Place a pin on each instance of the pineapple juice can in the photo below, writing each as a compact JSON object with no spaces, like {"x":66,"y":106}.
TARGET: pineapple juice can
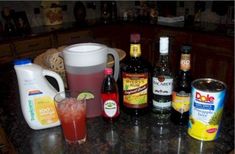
{"x":206,"y":108}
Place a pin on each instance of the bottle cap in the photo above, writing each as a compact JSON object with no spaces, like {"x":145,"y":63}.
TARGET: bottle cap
{"x":108,"y":71}
{"x":135,"y":37}
{"x":186,"y":48}
{"x":164,"y":43}
{"x":22,"y":61}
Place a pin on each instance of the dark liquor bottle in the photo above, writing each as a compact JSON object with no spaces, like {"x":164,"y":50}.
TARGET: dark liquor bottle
{"x":162,"y":84}
{"x":105,"y":12}
{"x":114,"y":11}
{"x":182,"y":89}
{"x":110,"y":97}
{"x":135,"y":80}
{"x":9,"y":27}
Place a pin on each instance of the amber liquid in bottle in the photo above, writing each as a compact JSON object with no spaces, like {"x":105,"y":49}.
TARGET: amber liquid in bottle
{"x":182,"y":89}
{"x":135,"y":80}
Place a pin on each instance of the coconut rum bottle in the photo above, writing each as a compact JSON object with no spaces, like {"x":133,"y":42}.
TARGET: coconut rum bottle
{"x":135,"y":80}
{"x":162,"y":84}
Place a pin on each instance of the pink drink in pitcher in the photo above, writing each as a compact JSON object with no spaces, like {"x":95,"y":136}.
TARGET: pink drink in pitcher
{"x":88,"y":83}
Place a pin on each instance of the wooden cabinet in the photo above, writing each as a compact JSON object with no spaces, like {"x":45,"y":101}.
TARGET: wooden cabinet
{"x":118,"y":36}
{"x":6,"y":53}
{"x":213,"y":57}
{"x":110,"y":35}
{"x":68,"y":38}
{"x":33,"y":46}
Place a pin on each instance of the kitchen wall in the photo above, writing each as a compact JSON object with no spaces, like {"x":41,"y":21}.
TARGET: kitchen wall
{"x":37,"y":19}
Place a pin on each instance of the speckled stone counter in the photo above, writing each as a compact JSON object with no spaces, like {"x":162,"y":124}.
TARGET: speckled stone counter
{"x":127,"y":135}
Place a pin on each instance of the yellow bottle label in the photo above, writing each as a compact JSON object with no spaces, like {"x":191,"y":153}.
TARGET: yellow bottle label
{"x":135,"y":50}
{"x":180,"y":103}
{"x":45,"y":110}
{"x":135,"y":90}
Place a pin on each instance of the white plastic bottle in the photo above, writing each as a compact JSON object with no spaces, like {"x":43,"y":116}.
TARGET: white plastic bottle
{"x":37,"y":94}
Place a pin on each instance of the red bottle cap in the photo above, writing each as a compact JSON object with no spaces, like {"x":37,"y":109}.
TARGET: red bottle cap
{"x":108,"y":71}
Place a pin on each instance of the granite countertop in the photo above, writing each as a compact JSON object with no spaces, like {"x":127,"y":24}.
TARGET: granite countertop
{"x":127,"y":135}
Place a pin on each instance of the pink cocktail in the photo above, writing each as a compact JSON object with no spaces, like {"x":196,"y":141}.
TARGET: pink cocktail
{"x":72,"y":115}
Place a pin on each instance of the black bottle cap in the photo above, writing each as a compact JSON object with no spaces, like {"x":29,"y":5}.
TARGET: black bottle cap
{"x":186,"y":48}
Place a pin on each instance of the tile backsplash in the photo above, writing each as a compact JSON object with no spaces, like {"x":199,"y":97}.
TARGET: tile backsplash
{"x":37,"y":19}
{"x":91,"y":13}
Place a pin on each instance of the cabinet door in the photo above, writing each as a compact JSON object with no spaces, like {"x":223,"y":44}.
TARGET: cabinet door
{"x":74,"y":37}
{"x":6,"y":53}
{"x":33,"y":46}
{"x":213,"y":57}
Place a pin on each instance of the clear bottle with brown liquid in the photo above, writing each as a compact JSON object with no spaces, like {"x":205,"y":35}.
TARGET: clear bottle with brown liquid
{"x":182,"y":89}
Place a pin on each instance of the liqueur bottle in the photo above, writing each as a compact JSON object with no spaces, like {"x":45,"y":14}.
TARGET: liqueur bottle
{"x":135,"y":80}
{"x":9,"y":27}
{"x":182,"y":89}
{"x":113,"y":11}
{"x":105,"y":12}
{"x":162,"y":84}
{"x":110,"y":97}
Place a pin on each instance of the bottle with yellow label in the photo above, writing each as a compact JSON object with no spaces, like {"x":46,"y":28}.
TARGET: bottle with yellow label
{"x":182,"y":89}
{"x":37,"y":94}
{"x":135,"y":80}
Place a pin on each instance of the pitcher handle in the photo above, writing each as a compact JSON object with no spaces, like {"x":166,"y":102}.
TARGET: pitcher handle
{"x":116,"y":62}
{"x":56,"y":77}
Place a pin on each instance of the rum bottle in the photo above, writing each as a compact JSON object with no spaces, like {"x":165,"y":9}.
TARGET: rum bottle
{"x":110,"y":97}
{"x":135,"y":80}
{"x":162,"y":85}
{"x":182,"y":89}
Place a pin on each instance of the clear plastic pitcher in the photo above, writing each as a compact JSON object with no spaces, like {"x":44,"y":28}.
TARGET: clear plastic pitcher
{"x":84,"y":66}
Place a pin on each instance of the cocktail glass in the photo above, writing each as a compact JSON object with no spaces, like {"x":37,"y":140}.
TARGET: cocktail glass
{"x":72,"y":115}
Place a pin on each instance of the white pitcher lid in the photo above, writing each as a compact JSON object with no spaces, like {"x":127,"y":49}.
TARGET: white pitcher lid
{"x":85,"y":54}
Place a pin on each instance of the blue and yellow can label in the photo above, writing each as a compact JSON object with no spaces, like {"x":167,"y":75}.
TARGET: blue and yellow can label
{"x":206,"y":110}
